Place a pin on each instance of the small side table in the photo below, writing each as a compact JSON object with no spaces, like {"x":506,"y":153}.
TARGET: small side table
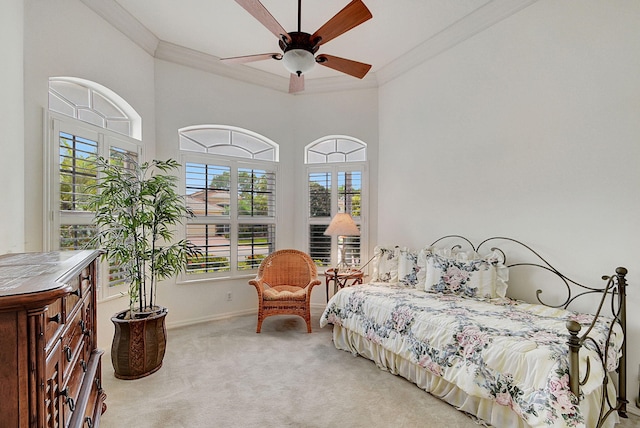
{"x":341,"y":279}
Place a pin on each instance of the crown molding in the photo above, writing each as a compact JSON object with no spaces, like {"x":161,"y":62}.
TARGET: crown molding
{"x":338,"y":83}
{"x":461,"y":30}
{"x":205,"y":62}
{"x":119,"y":18}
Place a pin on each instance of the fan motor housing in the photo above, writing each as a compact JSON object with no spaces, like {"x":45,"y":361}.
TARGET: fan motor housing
{"x":300,"y":40}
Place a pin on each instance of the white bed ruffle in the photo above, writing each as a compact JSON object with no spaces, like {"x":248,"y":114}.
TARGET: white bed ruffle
{"x":485,"y":409}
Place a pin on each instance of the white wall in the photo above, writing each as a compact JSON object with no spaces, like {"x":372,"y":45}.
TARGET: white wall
{"x":528,"y":130}
{"x":12,"y":117}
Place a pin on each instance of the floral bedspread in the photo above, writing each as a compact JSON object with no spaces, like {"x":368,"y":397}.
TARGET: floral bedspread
{"x":508,"y":351}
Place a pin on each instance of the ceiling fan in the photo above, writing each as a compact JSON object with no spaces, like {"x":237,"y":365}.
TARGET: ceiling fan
{"x":299,"y":48}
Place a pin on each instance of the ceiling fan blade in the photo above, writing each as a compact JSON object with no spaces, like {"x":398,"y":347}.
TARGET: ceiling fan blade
{"x":259,"y":12}
{"x":352,"y":15}
{"x":296,"y":83}
{"x":347,"y":66}
{"x":251,"y":58}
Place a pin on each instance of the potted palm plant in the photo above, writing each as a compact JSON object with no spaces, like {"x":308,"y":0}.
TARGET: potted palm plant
{"x":136,"y":209}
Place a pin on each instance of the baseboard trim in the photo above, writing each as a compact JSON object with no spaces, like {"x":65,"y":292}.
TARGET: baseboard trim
{"x":216,"y":317}
{"x":226,"y":315}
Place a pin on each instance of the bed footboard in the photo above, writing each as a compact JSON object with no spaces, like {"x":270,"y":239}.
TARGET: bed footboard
{"x":616,"y":286}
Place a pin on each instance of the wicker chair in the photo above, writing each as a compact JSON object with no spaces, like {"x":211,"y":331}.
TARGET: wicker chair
{"x":284,"y":283}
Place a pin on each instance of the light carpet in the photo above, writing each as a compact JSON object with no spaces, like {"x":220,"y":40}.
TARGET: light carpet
{"x":223,"y":374}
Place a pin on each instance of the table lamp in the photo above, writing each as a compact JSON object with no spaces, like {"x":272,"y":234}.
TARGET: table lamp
{"x":342,"y":225}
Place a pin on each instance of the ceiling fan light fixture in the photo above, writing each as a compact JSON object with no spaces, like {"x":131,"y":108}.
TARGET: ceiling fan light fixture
{"x":298,"y":61}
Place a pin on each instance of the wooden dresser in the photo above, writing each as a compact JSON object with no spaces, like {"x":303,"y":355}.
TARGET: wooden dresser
{"x":49,"y":365}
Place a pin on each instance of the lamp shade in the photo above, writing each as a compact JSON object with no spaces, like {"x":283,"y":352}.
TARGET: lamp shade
{"x":298,"y":61}
{"x":342,"y":225}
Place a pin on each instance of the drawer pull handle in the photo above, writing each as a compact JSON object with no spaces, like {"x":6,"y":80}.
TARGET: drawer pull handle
{"x":76,"y":292}
{"x":83,"y":327}
{"x":67,"y":352}
{"x":57,"y":318}
{"x":89,"y":422}
{"x":83,"y":363}
{"x":68,"y":400}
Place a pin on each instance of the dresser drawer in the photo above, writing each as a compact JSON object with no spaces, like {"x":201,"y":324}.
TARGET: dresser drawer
{"x":86,"y":279}
{"x":89,"y":324}
{"x":73,"y":298}
{"x":94,"y":406}
{"x":90,"y":402}
{"x":53,"y":322}
{"x":72,"y":339}
{"x":72,"y":384}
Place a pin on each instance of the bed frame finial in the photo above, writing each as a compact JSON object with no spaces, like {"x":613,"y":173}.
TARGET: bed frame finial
{"x":574,"y":343}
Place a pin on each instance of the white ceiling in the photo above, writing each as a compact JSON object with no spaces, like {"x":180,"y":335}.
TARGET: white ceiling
{"x":222,"y":28}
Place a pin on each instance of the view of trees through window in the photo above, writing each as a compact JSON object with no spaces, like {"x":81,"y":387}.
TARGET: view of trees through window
{"x":221,"y":224}
{"x":336,"y":164}
{"x":347,"y":198}
{"x":77,"y":172}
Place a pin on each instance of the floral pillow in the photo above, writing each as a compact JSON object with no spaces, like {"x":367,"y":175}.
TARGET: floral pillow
{"x":409,"y":269}
{"x":385,"y":265}
{"x":480,"y":278}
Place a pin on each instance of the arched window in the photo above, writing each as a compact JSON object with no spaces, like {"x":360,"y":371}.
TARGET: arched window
{"x":228,"y":141}
{"x":230,"y":185}
{"x":86,"y":120}
{"x":336,"y":173}
{"x":93,"y":103}
{"x":336,"y":149}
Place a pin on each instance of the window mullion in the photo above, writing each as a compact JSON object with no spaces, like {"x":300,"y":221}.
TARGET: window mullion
{"x":234,"y":217}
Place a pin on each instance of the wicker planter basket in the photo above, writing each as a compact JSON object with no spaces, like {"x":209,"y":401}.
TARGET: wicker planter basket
{"x":138,"y":344}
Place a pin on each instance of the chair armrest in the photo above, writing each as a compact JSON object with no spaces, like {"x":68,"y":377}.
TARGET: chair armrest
{"x":310,"y":286}
{"x":258,"y":283}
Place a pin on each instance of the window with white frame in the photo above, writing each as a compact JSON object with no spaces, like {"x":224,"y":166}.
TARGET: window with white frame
{"x":336,"y":173}
{"x":230,"y":185}
{"x":76,"y":138}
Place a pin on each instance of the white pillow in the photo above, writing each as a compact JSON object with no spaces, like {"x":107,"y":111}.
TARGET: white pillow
{"x":385,"y":265}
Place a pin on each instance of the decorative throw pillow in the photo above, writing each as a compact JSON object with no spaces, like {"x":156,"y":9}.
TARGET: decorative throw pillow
{"x":409,"y":269}
{"x":423,"y":256}
{"x":385,"y":265}
{"x":466,"y":277}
